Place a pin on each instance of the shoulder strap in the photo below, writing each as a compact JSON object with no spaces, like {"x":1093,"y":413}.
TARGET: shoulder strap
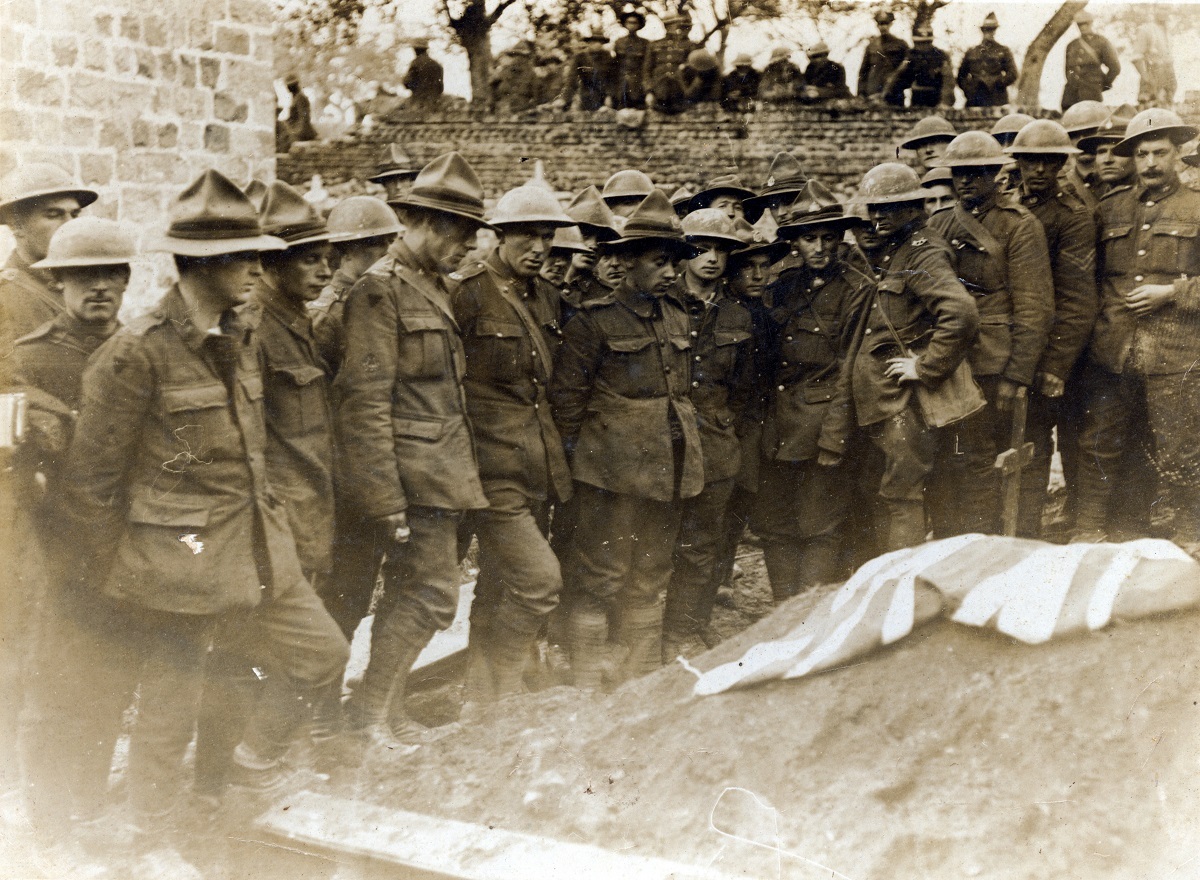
{"x":978,"y":231}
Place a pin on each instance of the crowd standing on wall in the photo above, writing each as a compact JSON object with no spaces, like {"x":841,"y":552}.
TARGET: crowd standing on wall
{"x":322,"y":413}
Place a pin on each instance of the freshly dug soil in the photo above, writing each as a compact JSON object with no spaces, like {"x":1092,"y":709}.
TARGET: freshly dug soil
{"x":955,"y":753}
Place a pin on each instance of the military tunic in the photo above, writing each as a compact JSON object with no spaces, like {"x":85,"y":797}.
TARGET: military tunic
{"x":926,"y":71}
{"x":590,"y":75}
{"x":986,"y":72}
{"x":328,"y":313}
{"x":633,"y":62}
{"x":884,"y":55}
{"x":26,"y":303}
{"x":1092,"y":66}
{"x":825,"y":80}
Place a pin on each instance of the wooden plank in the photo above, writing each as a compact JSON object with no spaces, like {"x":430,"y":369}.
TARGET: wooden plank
{"x":435,"y":847}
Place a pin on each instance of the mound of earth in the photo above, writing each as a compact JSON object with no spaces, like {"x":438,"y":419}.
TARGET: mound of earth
{"x":957,"y":753}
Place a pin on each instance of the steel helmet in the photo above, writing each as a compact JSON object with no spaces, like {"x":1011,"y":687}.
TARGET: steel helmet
{"x":39,"y":180}
{"x":931,"y":128}
{"x":628,"y":184}
{"x":529,"y":203}
{"x":711,"y":224}
{"x":1042,"y":137}
{"x":569,"y":238}
{"x":702,"y":59}
{"x":359,"y":217}
{"x":937,"y":177}
{"x":1006,"y":127}
{"x":1111,"y":131}
{"x":1158,"y":123}
{"x":890,"y":183}
{"x":1085,"y":116}
{"x":972,"y":149}
{"x":89,"y":241}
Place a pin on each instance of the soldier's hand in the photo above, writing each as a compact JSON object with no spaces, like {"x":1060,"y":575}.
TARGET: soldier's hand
{"x":1050,"y":385}
{"x":396,"y":527}
{"x":1147,"y":298}
{"x":1006,"y":392}
{"x":902,"y":369}
{"x":825,"y":458}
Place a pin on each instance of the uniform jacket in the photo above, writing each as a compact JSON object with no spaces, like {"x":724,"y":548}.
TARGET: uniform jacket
{"x":1071,"y":239}
{"x":509,"y":330}
{"x":296,"y":394}
{"x":927,"y":71}
{"x":1074,"y":184}
{"x":633,"y":63}
{"x":885,"y":53}
{"x":328,"y":314}
{"x":780,"y":82}
{"x":934,"y":316}
{"x":1149,"y":238}
{"x":1092,"y":65}
{"x":590,"y":75}
{"x":722,"y":378}
{"x":165,"y":498}
{"x":26,"y":303}
{"x":620,"y":394}
{"x":828,"y":78}
{"x":402,"y":415}
{"x":1013,"y":288}
{"x":986,"y":72}
{"x":739,"y":88}
{"x":812,"y":329}
{"x":424,"y":79}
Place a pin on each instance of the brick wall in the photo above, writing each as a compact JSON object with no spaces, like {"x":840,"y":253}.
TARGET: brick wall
{"x":837,"y":145}
{"x":137,"y":97}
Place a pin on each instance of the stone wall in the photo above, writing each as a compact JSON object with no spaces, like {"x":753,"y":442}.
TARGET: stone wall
{"x":835,"y":144}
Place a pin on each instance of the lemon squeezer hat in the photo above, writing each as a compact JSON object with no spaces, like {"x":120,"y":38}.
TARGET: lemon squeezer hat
{"x":211,"y":218}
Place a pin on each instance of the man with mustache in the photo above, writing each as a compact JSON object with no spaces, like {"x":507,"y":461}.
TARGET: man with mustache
{"x":1001,"y":257}
{"x":1041,"y":149}
{"x":1147,"y":337}
{"x":620,"y":397}
{"x":402,"y":420}
{"x":509,"y":324}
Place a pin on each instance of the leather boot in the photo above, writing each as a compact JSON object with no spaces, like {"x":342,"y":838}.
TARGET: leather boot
{"x":904,"y":523}
{"x":818,"y":561}
{"x":641,"y":633}
{"x":379,"y":700}
{"x":587,"y":637}
{"x":1091,"y":508}
{"x":231,"y":689}
{"x":510,"y":652}
{"x":783,"y":569}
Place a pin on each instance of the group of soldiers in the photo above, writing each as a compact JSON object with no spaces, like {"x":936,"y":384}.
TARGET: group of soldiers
{"x":322,"y":414}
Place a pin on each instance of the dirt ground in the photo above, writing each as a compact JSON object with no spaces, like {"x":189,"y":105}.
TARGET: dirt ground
{"x":957,"y":753}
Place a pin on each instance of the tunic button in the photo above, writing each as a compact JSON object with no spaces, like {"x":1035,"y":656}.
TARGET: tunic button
{"x":781,"y":388}
{"x":878,"y":277}
{"x":868,"y":333}
{"x":535,"y":406}
{"x":790,"y":339}
{"x":695,"y":384}
{"x":783,"y":363}
{"x":1142,"y":252}
{"x":666,"y":369}
{"x":888,"y":258}
{"x":1137,"y":277}
{"x":1145,"y":226}
{"x":499,"y":335}
{"x":697,"y":358}
{"x":1149,"y":204}
{"x":694,"y":333}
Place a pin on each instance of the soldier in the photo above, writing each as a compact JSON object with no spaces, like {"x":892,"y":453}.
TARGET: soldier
{"x":987,"y":70}
{"x":620,"y":399}
{"x":784,"y":181}
{"x":721,"y":390}
{"x":739,"y":88}
{"x":939,"y":183}
{"x":67,"y":732}
{"x":884,"y":54}
{"x":1147,"y":337}
{"x":801,"y":504}
{"x":1041,"y":149}
{"x":824,"y":79}
{"x":508,"y":326}
{"x":625,"y":190}
{"x":396,"y":171}
{"x":632,"y":54}
{"x":1006,"y":127}
{"x":406,"y":444}
{"x":361,"y":229}
{"x":596,"y":224}
{"x":725,"y":193}
{"x":928,"y":139}
{"x":701,"y":78}
{"x":35,"y":200}
{"x":680,"y":200}
{"x":179,"y":391}
{"x":589,"y":74}
{"x":514,"y":84}
{"x":926,"y":71}
{"x":424,"y":76}
{"x":1079,"y":175}
{"x":1001,"y":256}
{"x":1111,"y":170}
{"x":1154,"y":60}
{"x":1091,"y":64}
{"x":667,"y":57}
{"x":781,"y":79}
{"x":568,"y":243}
{"x":299,"y":117}
{"x":920,"y":301}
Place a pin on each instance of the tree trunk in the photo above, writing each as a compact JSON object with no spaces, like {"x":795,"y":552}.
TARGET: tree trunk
{"x":1029,"y":83}
{"x":479,"y":63}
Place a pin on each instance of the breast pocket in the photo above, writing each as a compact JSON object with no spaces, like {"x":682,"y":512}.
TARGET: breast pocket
{"x":1173,"y":247}
{"x":198,"y":425}
{"x":805,"y":343}
{"x":501,"y":347}
{"x":1116,"y":244}
{"x":298,"y":402}
{"x":974,"y":266}
{"x":423,"y":350}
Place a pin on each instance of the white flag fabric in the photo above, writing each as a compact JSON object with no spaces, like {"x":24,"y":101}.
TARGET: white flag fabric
{"x":1030,"y":590}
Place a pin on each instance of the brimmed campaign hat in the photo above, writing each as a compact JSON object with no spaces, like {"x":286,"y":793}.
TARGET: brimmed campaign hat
{"x":1111,"y":131}
{"x":256,"y":192}
{"x":722,"y":184}
{"x":211,"y":218}
{"x":1083,"y":117}
{"x":593,"y":216}
{"x":785,"y":178}
{"x":89,"y":241}
{"x":1006,"y":127}
{"x":654,"y":221}
{"x":40,"y":180}
{"x":754,"y":240}
{"x":815,"y":206}
{"x":680,"y":200}
{"x":627,"y":184}
{"x":568,"y":238}
{"x":395,"y":164}
{"x":286,"y":215}
{"x":450,"y":185}
{"x":1154,"y":123}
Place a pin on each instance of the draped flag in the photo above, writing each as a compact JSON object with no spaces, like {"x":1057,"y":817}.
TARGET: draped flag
{"x":1029,"y":590}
